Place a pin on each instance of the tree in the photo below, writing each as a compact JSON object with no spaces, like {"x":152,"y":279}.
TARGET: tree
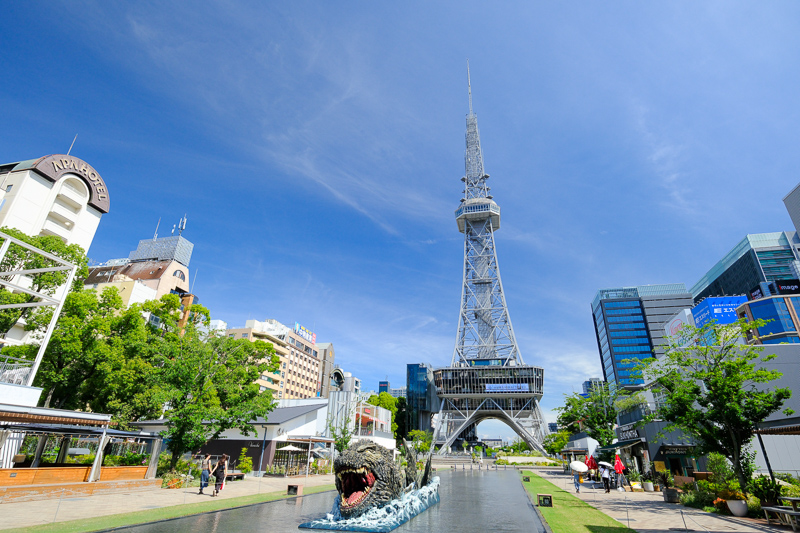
{"x":555,"y":442}
{"x":421,"y":440}
{"x":388,"y":402}
{"x":19,"y":258}
{"x":594,"y":413}
{"x":341,"y":435}
{"x":208,"y":384}
{"x":710,"y":386}
{"x":400,"y":420}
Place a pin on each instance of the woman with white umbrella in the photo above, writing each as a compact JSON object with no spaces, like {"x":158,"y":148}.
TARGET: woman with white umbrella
{"x":577,"y":469}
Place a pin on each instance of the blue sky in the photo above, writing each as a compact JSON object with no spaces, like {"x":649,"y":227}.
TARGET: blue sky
{"x":317,"y":149}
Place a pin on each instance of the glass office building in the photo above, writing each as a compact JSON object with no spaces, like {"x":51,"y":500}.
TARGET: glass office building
{"x":421,"y":399}
{"x":629,"y":326}
{"x":758,"y":258}
{"x":781,"y":314}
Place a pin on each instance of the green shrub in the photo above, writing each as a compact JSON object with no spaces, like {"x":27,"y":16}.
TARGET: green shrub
{"x":245,"y":463}
{"x":766,"y":490}
{"x":698,"y":499}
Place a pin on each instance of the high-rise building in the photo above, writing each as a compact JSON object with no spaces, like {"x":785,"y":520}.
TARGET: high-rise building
{"x":298,"y":375}
{"x":758,"y":258}
{"x":421,"y":398}
{"x":590,"y":384}
{"x":327,"y":362}
{"x":487,"y":377}
{"x":383,"y":386}
{"x":629,"y":324}
{"x":57,"y":195}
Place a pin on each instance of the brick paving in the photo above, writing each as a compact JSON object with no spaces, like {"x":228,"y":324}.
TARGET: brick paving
{"x":649,"y":513}
{"x":26,"y":514}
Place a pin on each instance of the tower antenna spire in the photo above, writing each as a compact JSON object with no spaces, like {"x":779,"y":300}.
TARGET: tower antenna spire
{"x":469,"y":88}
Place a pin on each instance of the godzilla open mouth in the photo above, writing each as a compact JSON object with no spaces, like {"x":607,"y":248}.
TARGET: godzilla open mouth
{"x":354,"y":485}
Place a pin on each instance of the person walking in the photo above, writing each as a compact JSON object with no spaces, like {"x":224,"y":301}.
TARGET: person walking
{"x":604,"y":474}
{"x":219,"y":472}
{"x":576,"y":477}
{"x":205,"y":468}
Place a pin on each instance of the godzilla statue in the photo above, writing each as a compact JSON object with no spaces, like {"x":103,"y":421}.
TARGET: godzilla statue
{"x":366,"y":477}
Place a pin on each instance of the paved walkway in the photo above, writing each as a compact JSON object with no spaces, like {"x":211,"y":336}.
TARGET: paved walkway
{"x":649,"y":513}
{"x":26,"y":514}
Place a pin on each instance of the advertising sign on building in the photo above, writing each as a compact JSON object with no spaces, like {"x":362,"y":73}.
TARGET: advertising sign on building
{"x":306,"y":334}
{"x":720,"y":308}
{"x":787,"y":286}
{"x":507,"y":387}
{"x":674,"y":325}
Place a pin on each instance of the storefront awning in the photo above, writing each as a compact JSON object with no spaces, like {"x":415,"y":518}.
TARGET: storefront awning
{"x":780,"y":430}
{"x":574,"y":451}
{"x":75,"y":431}
{"x":676,"y":449}
{"x":619,"y":445}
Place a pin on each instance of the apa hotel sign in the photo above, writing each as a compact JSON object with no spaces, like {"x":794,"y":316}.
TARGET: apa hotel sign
{"x":55,"y":167}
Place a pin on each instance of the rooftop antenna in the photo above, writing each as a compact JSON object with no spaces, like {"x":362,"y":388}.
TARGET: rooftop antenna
{"x":155,"y":235}
{"x":469,"y":88}
{"x":173,"y":230}
{"x":73,"y":144}
{"x":191,"y":289}
{"x":182,"y":224}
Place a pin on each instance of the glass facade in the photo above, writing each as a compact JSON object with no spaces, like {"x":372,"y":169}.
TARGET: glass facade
{"x":418,"y":396}
{"x":757,"y":258}
{"x":781,"y":314}
{"x":628,"y":324}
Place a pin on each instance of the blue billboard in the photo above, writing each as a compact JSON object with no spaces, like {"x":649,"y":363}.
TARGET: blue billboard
{"x":719,"y":308}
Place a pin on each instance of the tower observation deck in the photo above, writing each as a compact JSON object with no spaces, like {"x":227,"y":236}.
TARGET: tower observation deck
{"x":487,"y":377}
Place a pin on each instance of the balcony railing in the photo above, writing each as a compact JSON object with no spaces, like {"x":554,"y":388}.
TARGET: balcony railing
{"x":14,"y":371}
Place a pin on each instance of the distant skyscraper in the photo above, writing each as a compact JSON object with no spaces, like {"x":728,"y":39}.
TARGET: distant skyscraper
{"x":758,"y":258}
{"x":383,"y":386}
{"x":590,"y":384}
{"x":629,"y":324}
{"x":552,"y":427}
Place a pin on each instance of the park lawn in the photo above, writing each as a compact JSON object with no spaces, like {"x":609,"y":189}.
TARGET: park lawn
{"x":164,"y":513}
{"x":568,"y":513}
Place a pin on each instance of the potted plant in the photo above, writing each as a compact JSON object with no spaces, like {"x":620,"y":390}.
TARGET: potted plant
{"x":647,"y":482}
{"x":736,"y":501}
{"x":666,"y":481}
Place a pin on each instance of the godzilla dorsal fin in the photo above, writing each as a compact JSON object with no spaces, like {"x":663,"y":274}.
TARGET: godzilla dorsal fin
{"x":427,"y":474}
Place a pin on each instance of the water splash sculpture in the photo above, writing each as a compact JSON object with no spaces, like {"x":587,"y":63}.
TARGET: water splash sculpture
{"x":371,"y":497}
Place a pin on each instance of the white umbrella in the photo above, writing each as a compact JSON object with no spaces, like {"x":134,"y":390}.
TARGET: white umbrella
{"x":607,"y":465}
{"x":290,"y":448}
{"x":579,"y":466}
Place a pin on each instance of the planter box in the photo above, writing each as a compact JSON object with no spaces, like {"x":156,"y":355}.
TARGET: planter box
{"x":648,"y":486}
{"x":671,"y":496}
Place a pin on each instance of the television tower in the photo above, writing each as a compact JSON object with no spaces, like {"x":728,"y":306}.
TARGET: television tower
{"x":487,"y":377}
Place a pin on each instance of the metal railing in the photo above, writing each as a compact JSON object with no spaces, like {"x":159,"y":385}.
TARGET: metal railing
{"x":14,"y":371}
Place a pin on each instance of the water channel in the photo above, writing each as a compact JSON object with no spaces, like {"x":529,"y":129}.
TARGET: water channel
{"x":471,"y":501}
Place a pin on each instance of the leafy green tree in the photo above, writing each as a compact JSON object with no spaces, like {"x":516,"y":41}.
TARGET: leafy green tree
{"x":19,"y":258}
{"x":595,"y":414}
{"x":400,"y":419}
{"x":208,"y":384}
{"x":388,"y":402}
{"x":715,"y":389}
{"x":341,"y":435}
{"x":555,"y":442}
{"x":421,"y":440}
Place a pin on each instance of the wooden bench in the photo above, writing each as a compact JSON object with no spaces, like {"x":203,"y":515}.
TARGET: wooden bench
{"x":786,"y":515}
{"x":234,"y":475}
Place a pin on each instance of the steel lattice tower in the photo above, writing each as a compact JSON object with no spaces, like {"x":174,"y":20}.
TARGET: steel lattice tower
{"x":487,"y":377}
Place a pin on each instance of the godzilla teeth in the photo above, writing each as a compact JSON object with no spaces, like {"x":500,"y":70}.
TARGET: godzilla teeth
{"x":360,"y":470}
